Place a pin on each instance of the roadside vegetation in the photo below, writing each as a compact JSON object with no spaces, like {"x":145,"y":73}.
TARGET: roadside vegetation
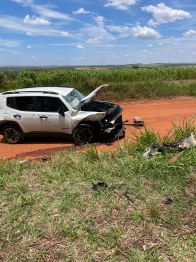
{"x":101,"y":206}
{"x":85,"y":205}
{"x":125,"y":83}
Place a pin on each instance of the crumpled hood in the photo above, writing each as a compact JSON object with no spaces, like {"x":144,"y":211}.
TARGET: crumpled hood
{"x":92,"y":94}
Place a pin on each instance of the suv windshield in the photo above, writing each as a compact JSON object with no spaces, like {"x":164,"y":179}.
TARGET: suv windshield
{"x":73,"y":98}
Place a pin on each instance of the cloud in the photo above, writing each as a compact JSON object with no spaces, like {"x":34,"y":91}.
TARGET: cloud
{"x":16,"y":25}
{"x":164,"y":14}
{"x":99,"y":20}
{"x":24,"y":2}
{"x":96,"y":40}
{"x":97,"y":34}
{"x":31,"y":33}
{"x":80,"y":11}
{"x":190,"y":34}
{"x":29,"y":46}
{"x":121,"y":4}
{"x":9,"y":43}
{"x":80,"y":46}
{"x":144,"y":33}
{"x":47,"y":12}
{"x":118,"y":29}
{"x":123,"y":31}
{"x":44,"y":10}
{"x":35,"y":20}
{"x":65,"y":34}
{"x":16,"y":53}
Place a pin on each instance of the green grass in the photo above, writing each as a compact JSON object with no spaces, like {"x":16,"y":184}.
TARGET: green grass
{"x":50,"y":212}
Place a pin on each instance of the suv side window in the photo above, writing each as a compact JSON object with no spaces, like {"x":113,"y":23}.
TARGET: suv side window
{"x":22,"y":103}
{"x":49,"y":104}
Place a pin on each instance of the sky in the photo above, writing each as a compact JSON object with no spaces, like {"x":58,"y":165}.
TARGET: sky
{"x":96,"y":32}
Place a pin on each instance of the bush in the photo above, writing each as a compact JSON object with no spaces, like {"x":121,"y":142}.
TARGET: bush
{"x":27,"y":78}
{"x":2,"y":79}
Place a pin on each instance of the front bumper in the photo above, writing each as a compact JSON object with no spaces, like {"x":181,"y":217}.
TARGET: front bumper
{"x":115,"y":132}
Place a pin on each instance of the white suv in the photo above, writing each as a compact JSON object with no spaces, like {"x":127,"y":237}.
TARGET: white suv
{"x":58,"y":111}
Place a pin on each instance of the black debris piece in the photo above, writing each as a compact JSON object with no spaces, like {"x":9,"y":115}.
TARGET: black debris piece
{"x":168,"y":201}
{"x":47,"y":158}
{"x":99,"y":185}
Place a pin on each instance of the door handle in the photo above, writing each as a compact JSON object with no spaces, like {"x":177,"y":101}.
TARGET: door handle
{"x":43,"y":117}
{"x":17,"y":116}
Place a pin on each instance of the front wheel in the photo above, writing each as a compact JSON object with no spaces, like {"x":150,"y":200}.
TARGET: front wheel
{"x":84,"y":135}
{"x":11,"y":134}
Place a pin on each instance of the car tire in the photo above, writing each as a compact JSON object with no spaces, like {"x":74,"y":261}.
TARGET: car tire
{"x":11,"y":134}
{"x":84,"y":135}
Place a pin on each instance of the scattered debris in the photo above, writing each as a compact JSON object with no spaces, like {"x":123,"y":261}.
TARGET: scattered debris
{"x":117,"y":193}
{"x":152,"y":150}
{"x":174,"y":158}
{"x":138,"y":121}
{"x":125,"y":194}
{"x":180,"y":145}
{"x":99,"y":185}
{"x":22,"y":161}
{"x":47,"y":158}
{"x":168,"y":201}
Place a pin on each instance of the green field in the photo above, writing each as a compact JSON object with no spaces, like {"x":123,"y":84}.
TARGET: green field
{"x":130,"y":81}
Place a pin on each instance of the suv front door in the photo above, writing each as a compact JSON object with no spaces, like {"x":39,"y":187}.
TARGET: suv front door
{"x":51,"y":121}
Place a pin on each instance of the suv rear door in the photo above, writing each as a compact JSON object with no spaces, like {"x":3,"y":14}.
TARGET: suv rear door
{"x":21,"y":109}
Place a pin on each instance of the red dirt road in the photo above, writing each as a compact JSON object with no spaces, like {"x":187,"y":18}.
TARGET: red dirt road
{"x":157,"y":115}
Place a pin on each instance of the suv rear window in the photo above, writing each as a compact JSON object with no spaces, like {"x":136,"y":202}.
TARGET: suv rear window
{"x":23,"y":103}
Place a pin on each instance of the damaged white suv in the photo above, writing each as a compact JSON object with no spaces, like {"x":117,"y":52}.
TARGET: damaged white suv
{"x":58,"y":111}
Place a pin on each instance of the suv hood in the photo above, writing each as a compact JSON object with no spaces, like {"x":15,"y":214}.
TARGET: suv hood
{"x":92,"y":94}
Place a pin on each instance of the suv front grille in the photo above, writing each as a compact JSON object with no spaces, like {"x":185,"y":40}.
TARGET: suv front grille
{"x":113,"y":113}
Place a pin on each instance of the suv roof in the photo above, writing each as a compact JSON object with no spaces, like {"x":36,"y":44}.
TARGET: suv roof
{"x":50,"y":90}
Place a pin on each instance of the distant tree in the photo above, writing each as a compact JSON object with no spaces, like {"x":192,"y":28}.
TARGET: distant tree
{"x":2,"y":78}
{"x":135,"y":66}
{"x":27,"y":78}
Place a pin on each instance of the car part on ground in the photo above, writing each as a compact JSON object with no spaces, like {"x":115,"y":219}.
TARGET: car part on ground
{"x":138,"y":121}
{"x":180,"y":145}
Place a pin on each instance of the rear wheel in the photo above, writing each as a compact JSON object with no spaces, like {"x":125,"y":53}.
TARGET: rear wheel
{"x":11,"y":134}
{"x":84,"y":135}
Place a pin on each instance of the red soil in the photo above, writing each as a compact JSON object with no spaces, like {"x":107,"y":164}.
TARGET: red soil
{"x":157,"y":115}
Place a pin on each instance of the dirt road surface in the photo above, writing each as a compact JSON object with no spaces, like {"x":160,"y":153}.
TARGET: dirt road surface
{"x":157,"y":115}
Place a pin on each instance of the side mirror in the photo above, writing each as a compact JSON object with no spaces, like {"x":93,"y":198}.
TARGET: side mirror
{"x":62,"y":110}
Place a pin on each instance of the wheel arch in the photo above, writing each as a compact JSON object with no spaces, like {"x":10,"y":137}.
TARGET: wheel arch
{"x":92,"y":125}
{"x":13,"y":123}
{"x":86,"y":124}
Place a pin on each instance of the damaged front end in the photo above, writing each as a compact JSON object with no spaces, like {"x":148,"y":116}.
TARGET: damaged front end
{"x":111,"y":126}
